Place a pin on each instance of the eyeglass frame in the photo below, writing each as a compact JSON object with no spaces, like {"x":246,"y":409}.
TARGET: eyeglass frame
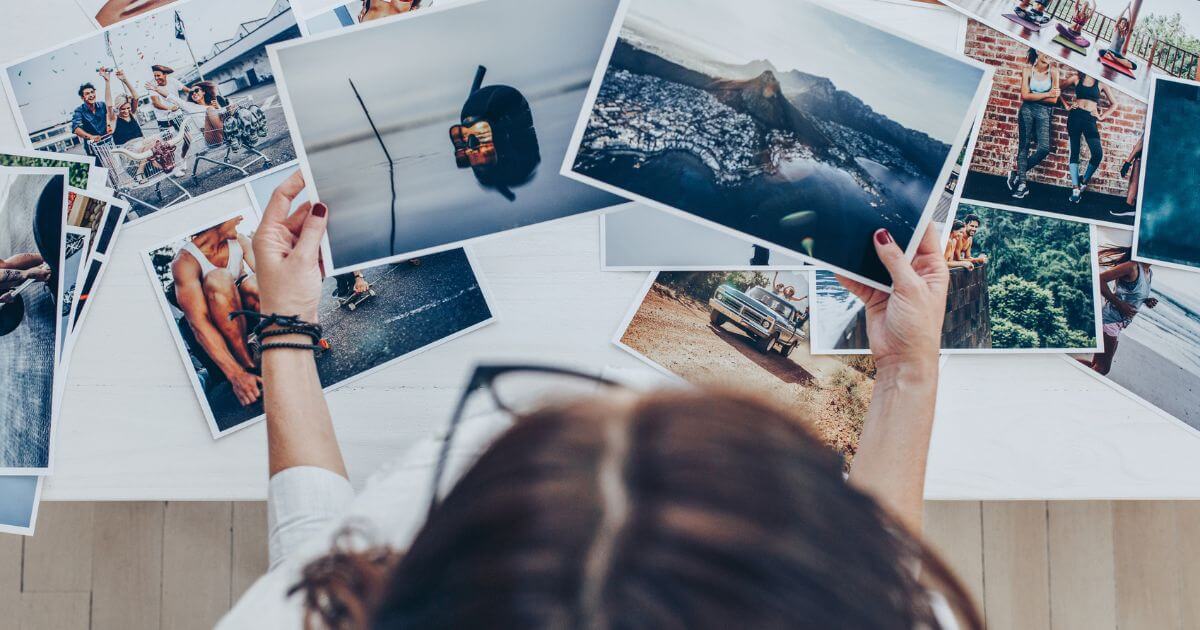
{"x":483,"y":377}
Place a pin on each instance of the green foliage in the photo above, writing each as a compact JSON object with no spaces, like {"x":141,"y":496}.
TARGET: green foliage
{"x":1039,"y":279}
{"x":700,"y":285}
{"x":1172,"y":30}
{"x":77,"y":175}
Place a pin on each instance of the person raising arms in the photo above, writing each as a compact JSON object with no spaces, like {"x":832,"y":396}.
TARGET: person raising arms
{"x":615,"y":509}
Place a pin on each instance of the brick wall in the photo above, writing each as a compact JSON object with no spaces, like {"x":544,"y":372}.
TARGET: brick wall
{"x":996,"y":149}
{"x":967,"y":324}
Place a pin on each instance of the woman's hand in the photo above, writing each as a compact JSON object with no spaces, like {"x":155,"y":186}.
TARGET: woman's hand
{"x":905,"y":326}
{"x":287,"y":250}
{"x":1127,"y":310}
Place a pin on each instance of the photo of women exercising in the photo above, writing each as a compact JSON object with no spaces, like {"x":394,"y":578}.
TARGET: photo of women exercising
{"x":213,"y":275}
{"x":1125,"y":285}
{"x":1040,"y":91}
{"x":1083,"y":120}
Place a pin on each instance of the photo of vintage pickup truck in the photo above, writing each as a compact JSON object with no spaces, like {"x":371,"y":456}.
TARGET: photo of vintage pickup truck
{"x":769,"y":318}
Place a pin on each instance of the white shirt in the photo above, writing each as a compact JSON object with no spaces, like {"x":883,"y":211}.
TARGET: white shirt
{"x":172,"y":88}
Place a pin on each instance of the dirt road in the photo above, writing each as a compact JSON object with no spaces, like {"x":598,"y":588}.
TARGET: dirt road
{"x":676,"y":334}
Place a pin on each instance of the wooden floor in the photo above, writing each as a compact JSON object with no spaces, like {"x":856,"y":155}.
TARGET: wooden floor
{"x":1087,"y":566}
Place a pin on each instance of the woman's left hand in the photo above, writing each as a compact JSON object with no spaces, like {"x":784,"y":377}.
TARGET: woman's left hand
{"x":287,"y":250}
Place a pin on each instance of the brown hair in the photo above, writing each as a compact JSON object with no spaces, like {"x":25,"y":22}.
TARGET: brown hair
{"x":674,"y":510}
{"x":1114,"y":255}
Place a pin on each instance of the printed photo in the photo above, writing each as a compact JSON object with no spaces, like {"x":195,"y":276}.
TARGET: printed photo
{"x":1019,"y":283}
{"x":789,"y":122}
{"x":637,"y":237}
{"x":113,"y":212}
{"x":32,"y":212}
{"x":342,"y":14}
{"x":1053,"y":140}
{"x":749,"y":330}
{"x":19,"y":499}
{"x":74,"y":267}
{"x":1168,"y":221}
{"x":473,"y":152}
{"x":108,"y":12}
{"x":1151,"y":331}
{"x":1124,"y":43}
{"x":176,"y":104}
{"x":371,"y":318}
{"x":78,"y":167}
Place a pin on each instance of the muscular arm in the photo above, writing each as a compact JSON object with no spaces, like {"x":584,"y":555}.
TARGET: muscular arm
{"x":190,"y":295}
{"x":1123,"y":271}
{"x":247,"y":251}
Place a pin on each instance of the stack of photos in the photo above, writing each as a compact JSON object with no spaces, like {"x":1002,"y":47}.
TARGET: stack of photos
{"x":1053,"y":139}
{"x":749,"y":329}
{"x":105,"y":217}
{"x":785,"y":121}
{"x":108,"y":12}
{"x":1124,"y":43}
{"x":1019,"y":282}
{"x":176,"y":104}
{"x":75,"y":246}
{"x":32,"y":254}
{"x":1168,"y":222}
{"x":371,"y":318}
{"x":1151,"y":317}
{"x":472,"y":152}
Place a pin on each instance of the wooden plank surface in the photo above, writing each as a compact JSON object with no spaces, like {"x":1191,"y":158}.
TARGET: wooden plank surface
{"x":249,"y":546}
{"x":56,"y":611}
{"x":127,"y":561}
{"x":59,"y":557}
{"x":1147,"y":565}
{"x":955,"y":529}
{"x":1082,"y":585}
{"x":1016,"y":570}
{"x":196,"y":561}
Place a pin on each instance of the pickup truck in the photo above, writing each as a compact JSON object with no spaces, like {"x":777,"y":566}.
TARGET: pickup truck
{"x":770,"y":319}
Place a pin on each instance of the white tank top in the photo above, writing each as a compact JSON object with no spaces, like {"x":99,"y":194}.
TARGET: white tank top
{"x":234,"y":266}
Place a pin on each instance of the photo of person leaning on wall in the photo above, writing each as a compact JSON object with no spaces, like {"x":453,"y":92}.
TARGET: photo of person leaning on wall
{"x":1053,"y":139}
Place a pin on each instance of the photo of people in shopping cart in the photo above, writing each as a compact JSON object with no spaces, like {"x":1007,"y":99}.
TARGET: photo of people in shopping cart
{"x":177,"y":104}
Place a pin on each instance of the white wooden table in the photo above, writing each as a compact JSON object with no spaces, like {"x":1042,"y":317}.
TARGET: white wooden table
{"x":1008,"y":427}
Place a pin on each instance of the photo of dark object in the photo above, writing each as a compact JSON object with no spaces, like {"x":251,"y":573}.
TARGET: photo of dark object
{"x":497,"y":138}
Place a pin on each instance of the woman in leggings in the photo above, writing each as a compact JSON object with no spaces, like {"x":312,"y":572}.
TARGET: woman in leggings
{"x":1083,"y":124}
{"x":1039,"y":92}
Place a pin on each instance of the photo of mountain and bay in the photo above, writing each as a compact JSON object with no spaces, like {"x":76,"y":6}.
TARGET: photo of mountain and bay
{"x":785,"y":121}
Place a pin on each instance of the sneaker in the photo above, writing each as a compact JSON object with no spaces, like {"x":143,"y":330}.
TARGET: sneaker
{"x":1076,"y":195}
{"x":1126,"y":213}
{"x":1021,"y":192}
{"x":1012,"y":180}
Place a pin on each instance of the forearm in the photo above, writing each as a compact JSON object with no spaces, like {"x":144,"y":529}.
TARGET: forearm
{"x":894,"y":447}
{"x":214,"y":345}
{"x":299,"y":428}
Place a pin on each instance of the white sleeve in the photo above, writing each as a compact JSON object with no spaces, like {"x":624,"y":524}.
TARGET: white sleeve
{"x":303,"y":502}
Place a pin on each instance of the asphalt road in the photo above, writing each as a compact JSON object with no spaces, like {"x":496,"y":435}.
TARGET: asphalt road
{"x":415,"y":306}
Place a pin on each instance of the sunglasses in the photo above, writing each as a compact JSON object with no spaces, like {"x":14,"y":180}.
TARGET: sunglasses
{"x":516,"y":390}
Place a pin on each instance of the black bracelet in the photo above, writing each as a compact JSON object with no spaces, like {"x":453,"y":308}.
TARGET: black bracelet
{"x":291,"y":330}
{"x":285,"y":325}
{"x":317,"y":348}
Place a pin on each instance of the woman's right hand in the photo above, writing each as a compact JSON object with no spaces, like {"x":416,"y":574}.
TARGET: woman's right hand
{"x":287,"y":250}
{"x":905,"y":326}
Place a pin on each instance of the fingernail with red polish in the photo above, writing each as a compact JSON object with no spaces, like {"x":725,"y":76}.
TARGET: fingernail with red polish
{"x":320,"y":210}
{"x":883,"y":237}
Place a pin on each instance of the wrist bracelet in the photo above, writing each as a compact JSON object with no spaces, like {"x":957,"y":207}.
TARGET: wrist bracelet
{"x":285,"y":325}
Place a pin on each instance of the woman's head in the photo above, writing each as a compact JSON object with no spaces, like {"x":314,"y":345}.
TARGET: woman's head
{"x":957,"y":227}
{"x":196,"y":94}
{"x":124,"y":107}
{"x":1123,"y":24}
{"x":1114,"y":255}
{"x":673,"y":510}
{"x":204,"y":92}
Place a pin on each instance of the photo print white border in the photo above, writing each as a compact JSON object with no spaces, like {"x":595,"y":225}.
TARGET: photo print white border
{"x":1137,"y":217}
{"x":80,"y":273}
{"x":24,"y":131}
{"x":910,"y":250}
{"x":91,"y":14}
{"x":1120,"y":389}
{"x":58,"y":382}
{"x":96,"y":257}
{"x":251,"y":212}
{"x":302,"y":153}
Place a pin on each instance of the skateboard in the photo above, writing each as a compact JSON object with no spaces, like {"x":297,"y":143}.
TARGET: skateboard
{"x":352,"y":301}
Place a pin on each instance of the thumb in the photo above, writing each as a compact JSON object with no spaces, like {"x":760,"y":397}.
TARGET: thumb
{"x":313,"y":230}
{"x":892,"y":257}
